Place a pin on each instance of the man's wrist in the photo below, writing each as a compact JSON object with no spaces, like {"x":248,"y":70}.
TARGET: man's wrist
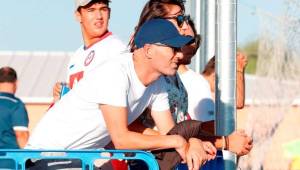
{"x":191,"y":140}
{"x":180,"y":141}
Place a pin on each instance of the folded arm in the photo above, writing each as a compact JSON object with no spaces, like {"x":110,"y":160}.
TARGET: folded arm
{"x":124,"y":138}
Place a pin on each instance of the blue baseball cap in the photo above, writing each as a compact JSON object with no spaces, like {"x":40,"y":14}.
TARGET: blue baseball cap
{"x":160,"y":31}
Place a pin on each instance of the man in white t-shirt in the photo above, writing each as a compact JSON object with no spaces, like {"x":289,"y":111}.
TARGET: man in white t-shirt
{"x":99,"y":43}
{"x":102,"y":106}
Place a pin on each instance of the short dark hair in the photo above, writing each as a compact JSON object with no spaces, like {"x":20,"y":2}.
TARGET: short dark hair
{"x":210,"y":67}
{"x":97,"y":1}
{"x":154,"y":9}
{"x":8,"y":75}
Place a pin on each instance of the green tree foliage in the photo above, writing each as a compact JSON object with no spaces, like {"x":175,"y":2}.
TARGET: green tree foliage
{"x":251,"y":50}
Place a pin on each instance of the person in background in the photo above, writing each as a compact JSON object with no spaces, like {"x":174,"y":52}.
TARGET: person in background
{"x":209,"y":74}
{"x":13,"y":115}
{"x":99,"y":43}
{"x":14,"y":121}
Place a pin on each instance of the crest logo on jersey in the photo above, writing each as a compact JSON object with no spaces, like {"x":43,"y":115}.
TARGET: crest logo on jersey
{"x":89,"y":58}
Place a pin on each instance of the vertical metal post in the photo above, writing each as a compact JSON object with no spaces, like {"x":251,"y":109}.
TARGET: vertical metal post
{"x":226,"y":36}
{"x":207,"y":30}
{"x":194,"y":9}
{"x":197,"y":25}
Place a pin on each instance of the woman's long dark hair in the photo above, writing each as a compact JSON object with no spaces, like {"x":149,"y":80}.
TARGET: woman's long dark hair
{"x":153,"y":9}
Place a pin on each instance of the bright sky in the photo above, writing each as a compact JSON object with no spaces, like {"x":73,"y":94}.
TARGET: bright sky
{"x":249,"y":12}
{"x":49,"y":25}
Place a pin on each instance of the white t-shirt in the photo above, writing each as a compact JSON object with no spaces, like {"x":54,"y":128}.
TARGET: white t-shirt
{"x":201,"y":105}
{"x":76,"y":122}
{"x":84,"y":60}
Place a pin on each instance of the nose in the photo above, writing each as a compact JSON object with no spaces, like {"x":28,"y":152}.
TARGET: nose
{"x":99,"y":14}
{"x":184,"y":26}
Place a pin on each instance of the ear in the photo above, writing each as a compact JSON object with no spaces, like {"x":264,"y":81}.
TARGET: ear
{"x":148,"y":51}
{"x":109,"y":13}
{"x":77,"y":15}
{"x":15,"y":84}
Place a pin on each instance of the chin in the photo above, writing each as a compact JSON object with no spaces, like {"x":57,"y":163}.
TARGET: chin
{"x":100,"y":32}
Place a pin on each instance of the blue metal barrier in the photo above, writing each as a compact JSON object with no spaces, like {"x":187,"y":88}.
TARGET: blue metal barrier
{"x":215,"y":164}
{"x":87,"y":157}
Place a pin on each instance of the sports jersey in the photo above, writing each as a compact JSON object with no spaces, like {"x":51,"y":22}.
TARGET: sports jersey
{"x":13,"y":116}
{"x":201,"y":105}
{"x":76,"y":122}
{"x":85,"y":59}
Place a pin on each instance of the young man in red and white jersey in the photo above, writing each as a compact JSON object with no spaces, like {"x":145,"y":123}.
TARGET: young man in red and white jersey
{"x":99,"y":43}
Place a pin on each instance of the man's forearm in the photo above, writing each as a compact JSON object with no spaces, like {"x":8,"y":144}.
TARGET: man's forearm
{"x":137,"y":126}
{"x":200,"y":130}
{"x":134,"y":140}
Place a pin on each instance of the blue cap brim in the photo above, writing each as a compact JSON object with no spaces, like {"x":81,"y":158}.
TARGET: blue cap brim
{"x":178,"y":41}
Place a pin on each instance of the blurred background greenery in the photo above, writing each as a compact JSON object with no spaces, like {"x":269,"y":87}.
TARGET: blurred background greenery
{"x":251,"y":50}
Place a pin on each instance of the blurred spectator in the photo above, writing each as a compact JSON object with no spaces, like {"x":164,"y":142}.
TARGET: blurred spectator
{"x":13,"y":115}
{"x":241,"y":62}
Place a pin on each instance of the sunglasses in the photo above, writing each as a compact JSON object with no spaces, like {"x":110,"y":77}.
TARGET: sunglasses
{"x":180,"y":19}
{"x":197,"y":40}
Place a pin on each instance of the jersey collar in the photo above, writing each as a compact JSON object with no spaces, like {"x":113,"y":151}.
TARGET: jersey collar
{"x":108,"y":33}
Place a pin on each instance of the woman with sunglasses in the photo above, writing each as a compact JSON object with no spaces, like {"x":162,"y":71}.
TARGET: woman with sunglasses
{"x":173,"y":10}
